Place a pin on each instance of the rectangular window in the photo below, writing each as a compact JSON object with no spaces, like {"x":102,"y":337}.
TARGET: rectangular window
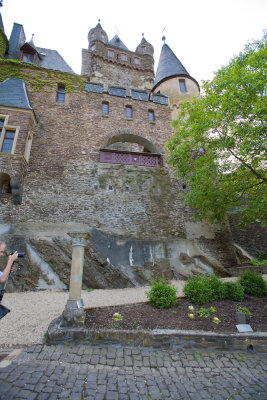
{"x":123,"y":57}
{"x":105,"y":108}
{"x":129,"y":112}
{"x":136,"y":61}
{"x":151,"y":116}
{"x":182,"y":85}
{"x":61,"y":94}
{"x":8,"y":141}
{"x":110,"y":53}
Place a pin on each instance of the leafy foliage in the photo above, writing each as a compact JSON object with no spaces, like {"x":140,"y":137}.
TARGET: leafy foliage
{"x":162,"y":295}
{"x":217,"y":288}
{"x":253,"y":283}
{"x":219,"y":145}
{"x":197,"y":289}
{"x":258,"y":262}
{"x":233,"y":291}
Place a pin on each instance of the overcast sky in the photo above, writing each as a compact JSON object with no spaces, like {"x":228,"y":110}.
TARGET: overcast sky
{"x":204,"y":34}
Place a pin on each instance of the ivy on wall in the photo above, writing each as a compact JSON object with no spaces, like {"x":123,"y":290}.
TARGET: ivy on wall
{"x":3,"y":43}
{"x":40,"y":79}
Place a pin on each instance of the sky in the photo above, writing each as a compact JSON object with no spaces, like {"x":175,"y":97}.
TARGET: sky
{"x":204,"y":34}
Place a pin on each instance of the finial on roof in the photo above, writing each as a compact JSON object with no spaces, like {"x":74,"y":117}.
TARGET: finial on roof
{"x":143,"y":34}
{"x":31,"y":41}
{"x":163,"y":37}
{"x":99,"y":20}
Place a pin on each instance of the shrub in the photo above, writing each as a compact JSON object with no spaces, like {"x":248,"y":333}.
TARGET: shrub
{"x":197,"y":289}
{"x":233,"y":291}
{"x":217,"y":288}
{"x":162,"y":295}
{"x":253,"y":283}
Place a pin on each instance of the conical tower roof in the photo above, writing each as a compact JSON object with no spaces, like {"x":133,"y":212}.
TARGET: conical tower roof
{"x":169,"y":66}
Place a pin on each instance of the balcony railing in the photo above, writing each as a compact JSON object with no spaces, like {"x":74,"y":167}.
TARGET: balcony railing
{"x":130,"y":158}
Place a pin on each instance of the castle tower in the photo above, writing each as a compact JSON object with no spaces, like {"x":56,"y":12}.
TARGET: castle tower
{"x":111,"y":63}
{"x":173,"y":80}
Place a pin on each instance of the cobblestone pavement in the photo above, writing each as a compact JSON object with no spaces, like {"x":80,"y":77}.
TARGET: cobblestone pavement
{"x":112,"y":373}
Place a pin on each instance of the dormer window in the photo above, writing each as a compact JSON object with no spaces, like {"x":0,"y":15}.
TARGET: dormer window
{"x":28,"y":53}
{"x":28,"y":57}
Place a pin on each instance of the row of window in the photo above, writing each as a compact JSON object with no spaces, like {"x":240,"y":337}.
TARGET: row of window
{"x":128,"y":111}
{"x":105,"y":105}
{"x":122,"y":56}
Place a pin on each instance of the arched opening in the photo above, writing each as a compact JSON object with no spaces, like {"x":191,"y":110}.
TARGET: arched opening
{"x":4,"y":183}
{"x":130,"y":149}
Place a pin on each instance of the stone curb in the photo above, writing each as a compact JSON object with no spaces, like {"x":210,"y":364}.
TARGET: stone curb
{"x":157,"y":338}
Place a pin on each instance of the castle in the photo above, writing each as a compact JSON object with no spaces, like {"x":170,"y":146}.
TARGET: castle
{"x":87,"y":153}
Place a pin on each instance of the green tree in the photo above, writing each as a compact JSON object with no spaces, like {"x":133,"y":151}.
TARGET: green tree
{"x":219,"y":145}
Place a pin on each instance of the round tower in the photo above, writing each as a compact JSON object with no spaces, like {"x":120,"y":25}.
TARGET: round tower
{"x":173,"y":80}
{"x":144,"y":47}
{"x":97,"y":33}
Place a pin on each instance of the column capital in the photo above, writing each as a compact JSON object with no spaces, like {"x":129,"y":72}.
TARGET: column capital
{"x":79,"y":239}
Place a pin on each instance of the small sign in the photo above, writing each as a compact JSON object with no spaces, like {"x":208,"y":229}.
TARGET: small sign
{"x":244,"y":328}
{"x":79,"y":303}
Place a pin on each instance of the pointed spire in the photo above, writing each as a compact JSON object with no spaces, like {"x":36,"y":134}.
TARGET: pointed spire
{"x":169,"y":65}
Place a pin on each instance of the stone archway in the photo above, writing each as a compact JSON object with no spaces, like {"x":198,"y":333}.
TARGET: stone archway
{"x":145,"y":154}
{"x":130,"y":138}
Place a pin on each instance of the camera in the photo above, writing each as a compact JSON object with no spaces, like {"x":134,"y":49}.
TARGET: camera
{"x":20,"y":254}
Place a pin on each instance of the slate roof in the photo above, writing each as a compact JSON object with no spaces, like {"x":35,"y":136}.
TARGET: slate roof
{"x":139,"y":95}
{"x":52,"y":60}
{"x":117,"y":91}
{"x":116,"y":42}
{"x":168,"y":66}
{"x":94,"y":87}
{"x":13,"y":93}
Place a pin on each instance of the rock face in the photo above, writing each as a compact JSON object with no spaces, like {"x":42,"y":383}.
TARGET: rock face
{"x":109,"y":261}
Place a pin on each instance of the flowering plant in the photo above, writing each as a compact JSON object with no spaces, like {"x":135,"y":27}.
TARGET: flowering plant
{"x":191,"y":315}
{"x":117,"y":317}
{"x":191,"y":308}
{"x":212,"y":309}
{"x":216,"y":320}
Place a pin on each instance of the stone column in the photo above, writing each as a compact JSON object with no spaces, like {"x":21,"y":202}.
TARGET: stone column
{"x":74,"y":312}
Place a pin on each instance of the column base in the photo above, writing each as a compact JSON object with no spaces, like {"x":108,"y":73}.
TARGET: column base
{"x":74,"y":314}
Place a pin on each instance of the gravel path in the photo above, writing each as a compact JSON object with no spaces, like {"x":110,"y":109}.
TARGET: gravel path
{"x":31,"y":312}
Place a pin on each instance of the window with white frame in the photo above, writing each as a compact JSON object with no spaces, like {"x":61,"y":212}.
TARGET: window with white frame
{"x":8,"y":136}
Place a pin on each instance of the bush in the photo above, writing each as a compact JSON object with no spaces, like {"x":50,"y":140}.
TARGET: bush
{"x":162,"y":295}
{"x":217,"y":288}
{"x":233,"y":291}
{"x":253,"y":283}
{"x":197,"y":289}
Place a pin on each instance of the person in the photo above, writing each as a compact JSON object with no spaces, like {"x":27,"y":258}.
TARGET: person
{"x":9,"y":267}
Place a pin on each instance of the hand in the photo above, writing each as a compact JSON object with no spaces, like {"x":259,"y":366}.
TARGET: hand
{"x":12,"y":257}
